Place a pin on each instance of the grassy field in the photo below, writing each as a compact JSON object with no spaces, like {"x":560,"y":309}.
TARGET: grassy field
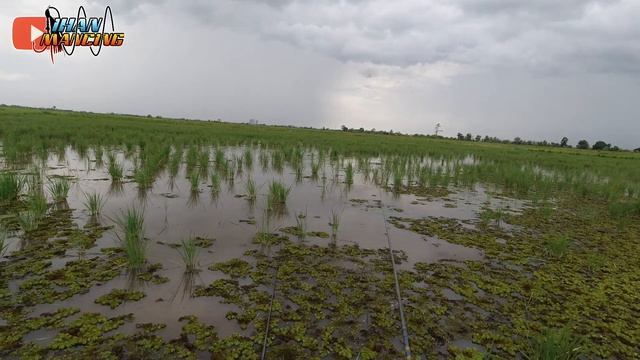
{"x":558,"y":277}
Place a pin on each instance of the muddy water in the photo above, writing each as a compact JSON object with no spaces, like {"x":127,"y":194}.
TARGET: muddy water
{"x":172,"y":213}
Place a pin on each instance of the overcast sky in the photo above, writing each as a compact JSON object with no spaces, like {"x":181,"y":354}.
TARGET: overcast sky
{"x":537,"y":69}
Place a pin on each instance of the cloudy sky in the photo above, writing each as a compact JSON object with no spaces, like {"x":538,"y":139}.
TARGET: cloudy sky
{"x":538,"y":69}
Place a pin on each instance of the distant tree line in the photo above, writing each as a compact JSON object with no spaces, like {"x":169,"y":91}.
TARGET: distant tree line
{"x":564,"y":142}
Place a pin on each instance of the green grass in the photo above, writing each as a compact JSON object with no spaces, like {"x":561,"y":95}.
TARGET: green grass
{"x":131,"y":236}
{"x":194,"y":180}
{"x":252,"y":190}
{"x":348,"y":174}
{"x":278,"y":193}
{"x":10,"y":186}
{"x":59,"y":188}
{"x":28,"y":220}
{"x":37,"y":203}
{"x":215,"y":183}
{"x":557,"y":245}
{"x":555,"y":345}
{"x":94,"y":203}
{"x":115,"y":169}
{"x":334,"y":222}
{"x":189,"y":253}
{"x":301,"y":225}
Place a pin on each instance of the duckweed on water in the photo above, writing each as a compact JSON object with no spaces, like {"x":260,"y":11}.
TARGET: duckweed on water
{"x":117,"y":297}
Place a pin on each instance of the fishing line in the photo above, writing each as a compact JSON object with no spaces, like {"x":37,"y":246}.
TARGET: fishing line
{"x":405,"y":332}
{"x":266,"y":333}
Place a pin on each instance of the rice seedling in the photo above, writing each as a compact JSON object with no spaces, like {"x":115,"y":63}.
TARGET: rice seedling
{"x":99,"y":156}
{"x":37,"y":204}
{"x":94,"y":203}
{"x":278,"y":193}
{"x":315,"y":169}
{"x":301,"y":225}
{"x":131,"y":236}
{"x":189,"y":253}
{"x":252,"y":191}
{"x":248,"y":158}
{"x":175,"y":161}
{"x":28,"y":221}
{"x":203,"y":161}
{"x":215,"y":183}
{"x":220,"y":159}
{"x":10,"y":186}
{"x":556,"y":345}
{"x":557,"y":245}
{"x":59,"y":188}
{"x":114,"y":168}
{"x":194,"y":180}
{"x":143,"y":177}
{"x":334,"y":222}
{"x":348,"y":174}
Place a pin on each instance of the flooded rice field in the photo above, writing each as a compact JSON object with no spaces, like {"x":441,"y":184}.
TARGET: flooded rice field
{"x":235,"y":267}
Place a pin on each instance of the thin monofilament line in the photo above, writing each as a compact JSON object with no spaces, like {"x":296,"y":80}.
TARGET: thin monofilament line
{"x":405,"y":332}
{"x":266,"y":332}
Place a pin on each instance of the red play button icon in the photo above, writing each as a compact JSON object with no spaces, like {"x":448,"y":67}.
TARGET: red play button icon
{"x":27,"y":32}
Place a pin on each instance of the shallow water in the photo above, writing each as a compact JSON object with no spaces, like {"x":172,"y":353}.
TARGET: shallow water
{"x":173,"y":213}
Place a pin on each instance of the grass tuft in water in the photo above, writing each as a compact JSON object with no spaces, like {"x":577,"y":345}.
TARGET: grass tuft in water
{"x":348,"y":174}
{"x":131,"y":226}
{"x":59,"y":188}
{"x":557,"y":245}
{"x":215,"y":183}
{"x":28,"y":220}
{"x":555,"y":345}
{"x":189,"y":253}
{"x":252,"y":190}
{"x":94,"y":203}
{"x":10,"y":186}
{"x":194,"y":180}
{"x":115,"y":169}
{"x":334,"y":222}
{"x":278,"y":193}
{"x":301,"y":225}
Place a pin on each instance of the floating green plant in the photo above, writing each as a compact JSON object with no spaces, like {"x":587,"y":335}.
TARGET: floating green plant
{"x":117,"y":297}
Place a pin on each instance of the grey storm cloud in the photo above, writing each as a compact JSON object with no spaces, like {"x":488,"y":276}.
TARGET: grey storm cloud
{"x":543,"y":36}
{"x":536,"y":69}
